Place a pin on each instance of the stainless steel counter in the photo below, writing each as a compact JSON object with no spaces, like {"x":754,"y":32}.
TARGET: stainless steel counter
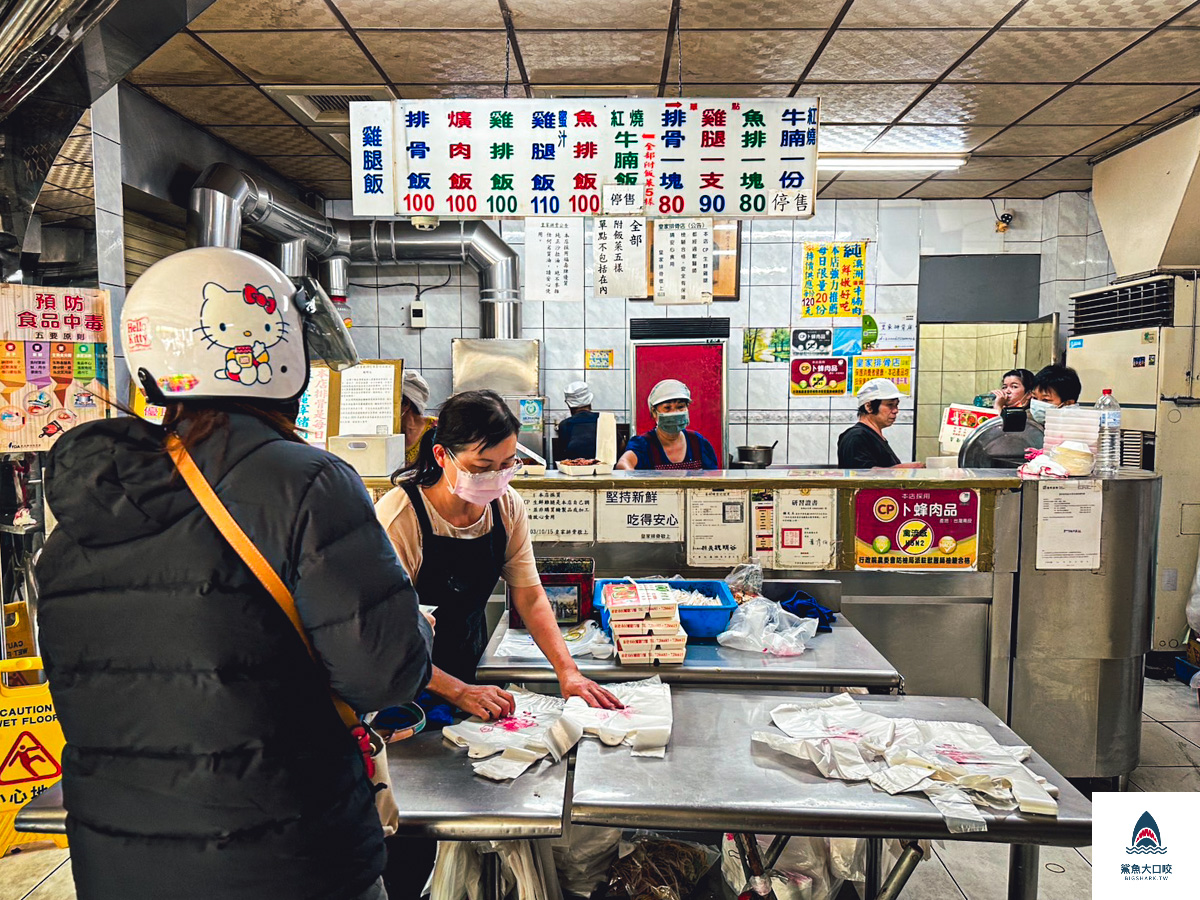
{"x":440,"y":796}
{"x":843,"y":658}
{"x":715,"y":779}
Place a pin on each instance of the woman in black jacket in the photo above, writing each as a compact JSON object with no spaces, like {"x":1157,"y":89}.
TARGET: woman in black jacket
{"x":204,"y":755}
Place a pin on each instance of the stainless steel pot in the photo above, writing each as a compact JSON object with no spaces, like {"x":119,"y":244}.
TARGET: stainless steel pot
{"x":760,"y":455}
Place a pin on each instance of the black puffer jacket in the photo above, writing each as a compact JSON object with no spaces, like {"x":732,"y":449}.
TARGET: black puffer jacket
{"x":204,"y":757}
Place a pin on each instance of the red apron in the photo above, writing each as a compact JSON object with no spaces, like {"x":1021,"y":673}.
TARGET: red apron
{"x":660,"y":461}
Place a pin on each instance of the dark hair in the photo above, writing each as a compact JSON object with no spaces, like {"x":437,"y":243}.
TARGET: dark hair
{"x":870,"y":408}
{"x":195,"y":423}
{"x":469,"y":419}
{"x":1027,"y":378}
{"x":1060,"y":379}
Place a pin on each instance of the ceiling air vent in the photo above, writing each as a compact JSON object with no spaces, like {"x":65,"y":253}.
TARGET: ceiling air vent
{"x":323,"y":104}
{"x":1142,"y":304}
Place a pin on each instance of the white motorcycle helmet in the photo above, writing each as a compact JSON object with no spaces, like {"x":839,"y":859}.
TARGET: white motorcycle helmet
{"x":215,"y":324}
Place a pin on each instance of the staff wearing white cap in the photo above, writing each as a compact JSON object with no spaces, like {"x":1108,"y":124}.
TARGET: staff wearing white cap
{"x":578,"y":431}
{"x":414,"y":395}
{"x":862,"y":445}
{"x":669,"y":444}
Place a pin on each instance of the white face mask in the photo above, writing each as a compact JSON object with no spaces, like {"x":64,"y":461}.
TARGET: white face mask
{"x":481,"y":488}
{"x":1038,"y":409}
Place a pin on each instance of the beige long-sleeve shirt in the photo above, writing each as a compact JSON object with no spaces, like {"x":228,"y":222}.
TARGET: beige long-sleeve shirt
{"x":399,"y":520}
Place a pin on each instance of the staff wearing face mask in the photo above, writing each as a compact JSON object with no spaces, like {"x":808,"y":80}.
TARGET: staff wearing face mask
{"x":1054,"y":387}
{"x":669,"y":444}
{"x":458,"y":528}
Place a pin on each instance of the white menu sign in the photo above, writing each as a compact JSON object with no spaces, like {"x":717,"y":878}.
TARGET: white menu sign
{"x":1069,"y":517}
{"x":804,"y":528}
{"x":372,"y":148}
{"x":717,"y":527}
{"x":553,"y":259}
{"x":561,"y":515}
{"x":639,"y":516}
{"x":619,"y":257}
{"x":682,"y":261}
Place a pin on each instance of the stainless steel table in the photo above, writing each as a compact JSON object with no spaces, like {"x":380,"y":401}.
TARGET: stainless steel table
{"x":715,"y":779}
{"x":843,"y":658}
{"x":441,"y":797}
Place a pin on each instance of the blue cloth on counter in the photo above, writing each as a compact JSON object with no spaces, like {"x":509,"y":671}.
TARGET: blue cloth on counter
{"x":803,"y":605}
{"x":438,"y":713}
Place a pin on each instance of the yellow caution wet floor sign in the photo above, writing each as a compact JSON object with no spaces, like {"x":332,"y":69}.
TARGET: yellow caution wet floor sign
{"x":31,"y":744}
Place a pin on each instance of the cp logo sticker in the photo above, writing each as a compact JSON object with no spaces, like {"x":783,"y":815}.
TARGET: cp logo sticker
{"x":886,"y":509}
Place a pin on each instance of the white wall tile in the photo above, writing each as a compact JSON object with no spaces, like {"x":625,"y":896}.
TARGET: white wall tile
{"x":820,"y":226}
{"x":401,"y":343}
{"x":1050,"y":217}
{"x":439,"y":387}
{"x":767,"y":387}
{"x":564,"y":348}
{"x":735,"y":387}
{"x":1027,"y":220}
{"x":770,"y":264}
{"x":770,"y":231}
{"x":764,"y":435}
{"x":533,"y":315}
{"x":435,"y":347}
{"x":609,"y":386}
{"x":563,"y":314}
{"x":899,"y":244}
{"x":470,"y":307}
{"x":1034,"y":247}
{"x":856,"y":220}
{"x":1072,"y":258}
{"x":901,"y":439}
{"x":770,"y":305}
{"x":896,"y":298}
{"x":737,"y":438}
{"x":364,"y":307}
{"x":604,"y":312}
{"x":393,"y":304}
{"x":1073,"y":213}
{"x":808,"y":445}
{"x":1093,"y":225}
{"x":951,"y":227}
{"x":1097,"y":256}
{"x":554,"y":383}
{"x":443,"y":306}
{"x":366,"y":341}
{"x":1049,"y":267}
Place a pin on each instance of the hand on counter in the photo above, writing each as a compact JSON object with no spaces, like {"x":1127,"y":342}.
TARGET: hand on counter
{"x":485,"y":700}
{"x":576,"y":684}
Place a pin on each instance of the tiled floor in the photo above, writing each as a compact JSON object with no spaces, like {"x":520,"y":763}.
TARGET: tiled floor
{"x":958,"y":871}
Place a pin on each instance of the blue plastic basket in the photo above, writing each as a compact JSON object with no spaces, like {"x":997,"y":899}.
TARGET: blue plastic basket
{"x":703,"y":622}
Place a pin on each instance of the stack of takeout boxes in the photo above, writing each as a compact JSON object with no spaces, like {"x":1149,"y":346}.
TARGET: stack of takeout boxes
{"x":644,"y":619}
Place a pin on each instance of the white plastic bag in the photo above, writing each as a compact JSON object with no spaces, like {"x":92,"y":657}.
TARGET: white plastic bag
{"x":801,"y":873}
{"x":582,"y":856}
{"x":762,"y":626}
{"x":525,"y":729}
{"x":644,"y":724}
{"x":586,"y":639}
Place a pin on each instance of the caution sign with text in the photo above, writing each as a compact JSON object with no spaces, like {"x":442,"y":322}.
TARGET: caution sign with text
{"x":31,"y":744}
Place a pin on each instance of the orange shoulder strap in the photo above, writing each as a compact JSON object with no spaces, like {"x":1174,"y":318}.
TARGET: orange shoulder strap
{"x":250,"y":554}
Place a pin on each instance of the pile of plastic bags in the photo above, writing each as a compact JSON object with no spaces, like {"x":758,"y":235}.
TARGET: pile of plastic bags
{"x":958,"y":766}
{"x":763,"y":626}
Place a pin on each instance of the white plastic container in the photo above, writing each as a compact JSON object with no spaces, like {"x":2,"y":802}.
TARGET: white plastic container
{"x":372,"y":456}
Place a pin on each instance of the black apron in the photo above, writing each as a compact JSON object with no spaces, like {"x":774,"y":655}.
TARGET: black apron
{"x":457,"y":576}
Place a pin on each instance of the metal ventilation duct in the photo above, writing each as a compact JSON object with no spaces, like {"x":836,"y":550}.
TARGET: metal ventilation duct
{"x":224,"y":199}
{"x":1148,"y":201}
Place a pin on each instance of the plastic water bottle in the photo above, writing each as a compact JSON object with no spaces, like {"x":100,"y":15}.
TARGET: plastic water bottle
{"x":1109,"y":462}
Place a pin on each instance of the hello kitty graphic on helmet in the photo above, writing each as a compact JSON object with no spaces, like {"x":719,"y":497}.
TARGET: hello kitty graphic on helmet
{"x":215,"y":323}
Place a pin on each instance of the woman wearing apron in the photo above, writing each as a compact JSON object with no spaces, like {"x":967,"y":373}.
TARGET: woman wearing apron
{"x":669,"y":445}
{"x":458,"y":528}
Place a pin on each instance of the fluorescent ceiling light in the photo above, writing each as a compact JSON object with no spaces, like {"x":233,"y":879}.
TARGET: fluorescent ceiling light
{"x":866,"y":161}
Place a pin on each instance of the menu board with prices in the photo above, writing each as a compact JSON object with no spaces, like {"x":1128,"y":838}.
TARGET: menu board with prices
{"x":1070,"y":514}
{"x":717,"y":527}
{"x":624,"y":156}
{"x":804,"y":528}
{"x":561,"y":515}
{"x":834,"y":279}
{"x":916,"y":530}
{"x":619,"y":257}
{"x":553,"y":259}
{"x":639,"y":516}
{"x":55,"y":360}
{"x":683,"y":261}
{"x":762,"y":526}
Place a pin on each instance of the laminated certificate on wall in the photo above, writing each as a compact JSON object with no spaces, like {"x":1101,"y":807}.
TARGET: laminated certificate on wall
{"x":804,"y":528}
{"x":1069,"y":517}
{"x":718,"y":532}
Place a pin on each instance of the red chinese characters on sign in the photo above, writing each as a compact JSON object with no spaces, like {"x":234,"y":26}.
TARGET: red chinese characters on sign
{"x":915,"y":529}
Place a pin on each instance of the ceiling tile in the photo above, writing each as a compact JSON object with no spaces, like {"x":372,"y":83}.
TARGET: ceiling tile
{"x":848,"y":138}
{"x":631,"y":14}
{"x":421,"y":14}
{"x":1106,"y":104}
{"x":1114,"y":139}
{"x":909,"y":175}
{"x":760,"y":89}
{"x":865,"y":190}
{"x":458,"y":91}
{"x":777,"y":13}
{"x":1043,"y":140}
{"x":1093,"y":14}
{"x":1169,"y":56}
{"x":949,"y":190}
{"x":744,"y":55}
{"x":979,"y":104}
{"x":583,"y":57}
{"x":182,"y":60}
{"x":73,"y":176}
{"x":1041,"y":56}
{"x":331,"y":190}
{"x":416,"y":57}
{"x":225,"y":105}
{"x":931,"y":13}
{"x":932,"y":138}
{"x":1035,"y":190}
{"x":296,"y":57}
{"x":62,"y":199}
{"x":986,"y":168}
{"x":862,"y":102}
{"x":892,"y":55}
{"x":271,"y":140}
{"x":1187,"y":104}
{"x":1189,"y":18}
{"x":259,"y":15}
{"x":309,"y":168}
{"x":1073,"y":168}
